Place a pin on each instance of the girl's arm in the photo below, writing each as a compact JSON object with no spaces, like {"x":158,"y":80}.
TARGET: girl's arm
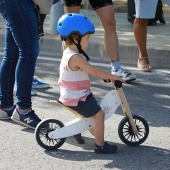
{"x":78,"y":62}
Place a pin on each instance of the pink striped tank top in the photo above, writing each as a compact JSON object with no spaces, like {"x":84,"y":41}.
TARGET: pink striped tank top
{"x":74,"y":85}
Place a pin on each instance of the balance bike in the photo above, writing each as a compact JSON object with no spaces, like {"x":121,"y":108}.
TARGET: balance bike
{"x":133,"y":130}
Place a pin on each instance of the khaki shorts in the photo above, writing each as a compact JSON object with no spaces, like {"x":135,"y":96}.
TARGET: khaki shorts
{"x":145,"y":9}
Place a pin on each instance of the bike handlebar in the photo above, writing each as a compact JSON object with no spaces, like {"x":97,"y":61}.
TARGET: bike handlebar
{"x":118,"y":83}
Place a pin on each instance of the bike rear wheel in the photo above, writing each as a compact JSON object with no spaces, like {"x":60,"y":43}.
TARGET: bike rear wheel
{"x":42,"y":131}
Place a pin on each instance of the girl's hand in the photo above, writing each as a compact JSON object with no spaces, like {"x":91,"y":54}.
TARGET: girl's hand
{"x":117,"y":78}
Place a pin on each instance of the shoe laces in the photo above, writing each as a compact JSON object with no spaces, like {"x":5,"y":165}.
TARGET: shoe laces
{"x":33,"y":115}
{"x":37,"y":79}
{"x":124,"y":71}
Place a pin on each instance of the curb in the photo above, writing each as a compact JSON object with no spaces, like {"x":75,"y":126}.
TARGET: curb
{"x":128,"y":54}
{"x":158,"y":47}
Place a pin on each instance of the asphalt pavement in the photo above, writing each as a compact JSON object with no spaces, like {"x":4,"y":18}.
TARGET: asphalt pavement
{"x":148,"y":96}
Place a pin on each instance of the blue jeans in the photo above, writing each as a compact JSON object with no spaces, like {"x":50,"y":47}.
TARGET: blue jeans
{"x":20,"y":52}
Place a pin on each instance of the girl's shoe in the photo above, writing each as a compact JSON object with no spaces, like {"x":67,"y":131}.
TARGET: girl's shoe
{"x":106,"y":148}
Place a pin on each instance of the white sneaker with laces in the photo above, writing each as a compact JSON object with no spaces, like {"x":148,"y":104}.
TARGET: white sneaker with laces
{"x":125,"y":75}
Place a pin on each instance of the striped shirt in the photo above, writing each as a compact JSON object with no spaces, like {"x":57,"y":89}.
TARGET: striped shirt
{"x":74,"y":85}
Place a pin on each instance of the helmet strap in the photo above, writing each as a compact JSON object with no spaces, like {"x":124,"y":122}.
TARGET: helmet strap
{"x":78,"y":45}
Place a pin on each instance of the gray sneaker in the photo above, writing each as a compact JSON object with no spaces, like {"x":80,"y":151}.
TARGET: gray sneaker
{"x":6,"y":113}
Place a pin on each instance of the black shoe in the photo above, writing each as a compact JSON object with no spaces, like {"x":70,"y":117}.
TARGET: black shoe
{"x":79,"y":138}
{"x":106,"y":148}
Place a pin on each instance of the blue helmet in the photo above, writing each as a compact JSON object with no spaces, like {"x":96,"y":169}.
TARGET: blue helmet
{"x":74,"y":23}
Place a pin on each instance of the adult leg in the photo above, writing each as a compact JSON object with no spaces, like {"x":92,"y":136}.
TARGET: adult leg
{"x":140,"y":32}
{"x":22,"y":23}
{"x":37,"y":82}
{"x":20,"y":52}
{"x":106,"y":16}
{"x":144,"y":10}
{"x":7,"y":70}
{"x":27,"y":41}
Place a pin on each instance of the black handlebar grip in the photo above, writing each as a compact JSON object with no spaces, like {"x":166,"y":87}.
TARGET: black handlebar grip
{"x":118,"y":84}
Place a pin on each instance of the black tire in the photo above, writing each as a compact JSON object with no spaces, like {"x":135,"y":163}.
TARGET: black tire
{"x":41,"y":134}
{"x":126,"y":133}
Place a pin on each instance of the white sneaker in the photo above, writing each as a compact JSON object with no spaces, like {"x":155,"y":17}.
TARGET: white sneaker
{"x":125,"y":75}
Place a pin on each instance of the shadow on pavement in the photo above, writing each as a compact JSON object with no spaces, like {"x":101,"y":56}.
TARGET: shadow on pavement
{"x":142,"y":157}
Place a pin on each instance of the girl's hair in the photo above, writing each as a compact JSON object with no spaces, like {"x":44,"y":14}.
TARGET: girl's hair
{"x":75,"y":37}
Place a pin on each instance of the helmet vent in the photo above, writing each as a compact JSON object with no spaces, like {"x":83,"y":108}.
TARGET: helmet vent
{"x":60,"y":24}
{"x":85,"y":18}
{"x":70,"y":15}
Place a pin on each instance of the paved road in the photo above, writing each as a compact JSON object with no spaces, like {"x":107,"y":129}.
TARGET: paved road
{"x":148,"y":96}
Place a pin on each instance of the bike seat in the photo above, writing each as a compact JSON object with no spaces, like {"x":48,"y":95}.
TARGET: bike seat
{"x":73,"y":111}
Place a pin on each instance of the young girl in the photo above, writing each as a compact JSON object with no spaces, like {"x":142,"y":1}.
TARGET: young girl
{"x":75,"y":30}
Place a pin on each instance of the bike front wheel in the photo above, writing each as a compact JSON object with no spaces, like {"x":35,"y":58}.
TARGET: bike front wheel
{"x":126,"y":133}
